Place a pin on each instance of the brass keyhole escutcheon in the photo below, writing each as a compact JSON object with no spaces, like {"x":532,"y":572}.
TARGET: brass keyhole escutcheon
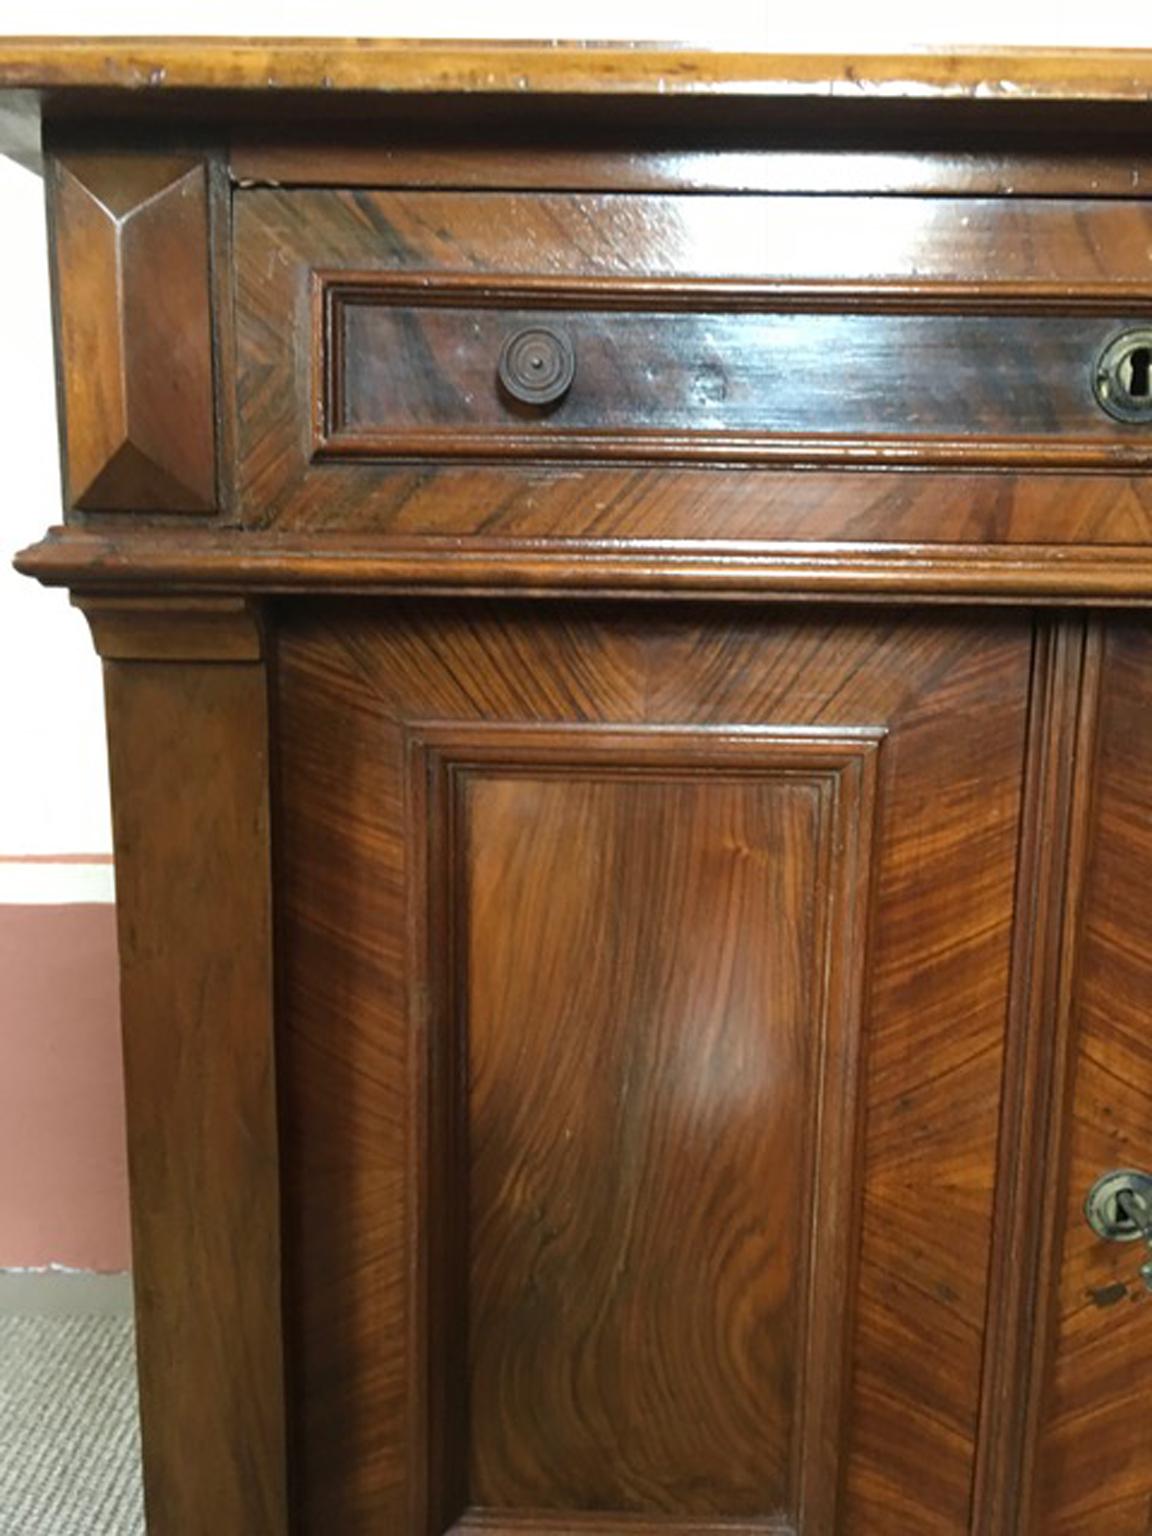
{"x":1123,"y":377}
{"x":1119,"y":1205}
{"x":1118,"y":1208}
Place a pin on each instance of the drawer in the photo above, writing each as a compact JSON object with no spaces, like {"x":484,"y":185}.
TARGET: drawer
{"x":521,"y":334}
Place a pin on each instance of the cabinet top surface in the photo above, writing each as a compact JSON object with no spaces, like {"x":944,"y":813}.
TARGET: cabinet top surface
{"x":643,"y":69}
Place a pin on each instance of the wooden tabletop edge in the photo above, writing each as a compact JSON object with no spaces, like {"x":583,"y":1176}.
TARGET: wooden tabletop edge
{"x":333,"y":65}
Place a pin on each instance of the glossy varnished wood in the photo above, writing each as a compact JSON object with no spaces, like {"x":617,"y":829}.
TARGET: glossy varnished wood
{"x":721,"y":371}
{"x":706,"y":328}
{"x":359,"y":1332}
{"x":784,"y":569}
{"x":188,"y":754}
{"x":1093,"y":1466}
{"x":132,"y":251}
{"x":682,"y":832}
{"x":496,"y":158}
{"x":1058,"y":791}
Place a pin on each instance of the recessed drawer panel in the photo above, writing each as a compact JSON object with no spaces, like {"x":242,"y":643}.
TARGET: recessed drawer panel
{"x":448,"y":368}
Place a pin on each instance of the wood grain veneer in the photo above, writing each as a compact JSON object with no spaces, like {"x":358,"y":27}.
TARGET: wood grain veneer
{"x":725,"y":371}
{"x":497,"y":158}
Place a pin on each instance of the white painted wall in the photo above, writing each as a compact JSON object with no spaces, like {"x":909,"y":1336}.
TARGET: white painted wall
{"x":52,"y":766}
{"x":52,"y":761}
{"x":835,"y":26}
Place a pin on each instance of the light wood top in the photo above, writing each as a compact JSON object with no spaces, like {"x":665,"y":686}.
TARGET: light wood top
{"x":651,"y":69}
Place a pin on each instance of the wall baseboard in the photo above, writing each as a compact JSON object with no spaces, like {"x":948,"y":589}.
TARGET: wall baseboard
{"x":59,"y":1293}
{"x":53,"y":882}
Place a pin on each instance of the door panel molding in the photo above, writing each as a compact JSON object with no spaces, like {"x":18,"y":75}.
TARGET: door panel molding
{"x":631,"y":791}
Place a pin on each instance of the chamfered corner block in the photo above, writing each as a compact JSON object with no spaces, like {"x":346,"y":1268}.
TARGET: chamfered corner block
{"x":134,"y":313}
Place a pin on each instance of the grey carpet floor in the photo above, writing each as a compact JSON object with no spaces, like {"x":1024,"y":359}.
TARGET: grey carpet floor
{"x":69,"y":1439}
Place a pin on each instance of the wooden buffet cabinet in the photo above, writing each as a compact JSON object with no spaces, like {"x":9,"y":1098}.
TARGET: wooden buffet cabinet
{"x":623,"y":581}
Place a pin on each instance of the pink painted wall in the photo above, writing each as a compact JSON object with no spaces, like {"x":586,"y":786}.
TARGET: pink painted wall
{"x":63,"y":1188}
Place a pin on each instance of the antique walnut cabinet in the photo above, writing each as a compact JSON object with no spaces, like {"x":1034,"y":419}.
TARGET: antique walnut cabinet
{"x":623,"y":576}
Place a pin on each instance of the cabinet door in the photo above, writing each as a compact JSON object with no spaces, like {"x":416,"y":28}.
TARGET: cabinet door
{"x":646,"y":977}
{"x":1093,"y":1364}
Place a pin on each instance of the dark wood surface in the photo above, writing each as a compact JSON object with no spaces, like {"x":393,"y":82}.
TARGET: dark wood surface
{"x":677,"y":826}
{"x":714,"y":371}
{"x":696,"y":1022}
{"x":1058,"y":792}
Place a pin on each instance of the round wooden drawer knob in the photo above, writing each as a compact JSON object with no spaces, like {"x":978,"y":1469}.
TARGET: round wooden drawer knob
{"x":537,"y":366}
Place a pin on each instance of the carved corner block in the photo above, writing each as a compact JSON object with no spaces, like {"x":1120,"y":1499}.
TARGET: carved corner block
{"x":133,"y":294}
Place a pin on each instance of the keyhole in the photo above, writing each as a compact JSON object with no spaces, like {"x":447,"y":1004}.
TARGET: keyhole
{"x":1131,"y":1211}
{"x":1140,"y":373}
{"x":1123,"y":377}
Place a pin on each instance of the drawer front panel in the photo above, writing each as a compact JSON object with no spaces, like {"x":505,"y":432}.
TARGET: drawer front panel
{"x":709,"y":333}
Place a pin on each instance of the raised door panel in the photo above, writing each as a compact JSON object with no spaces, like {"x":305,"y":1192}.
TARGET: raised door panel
{"x":658,"y":1108}
{"x":644,"y":991}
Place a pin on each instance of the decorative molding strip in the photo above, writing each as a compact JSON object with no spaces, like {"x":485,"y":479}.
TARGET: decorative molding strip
{"x":56,"y":882}
{"x":716,"y":296}
{"x":487,"y":1522}
{"x":223,"y":562}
